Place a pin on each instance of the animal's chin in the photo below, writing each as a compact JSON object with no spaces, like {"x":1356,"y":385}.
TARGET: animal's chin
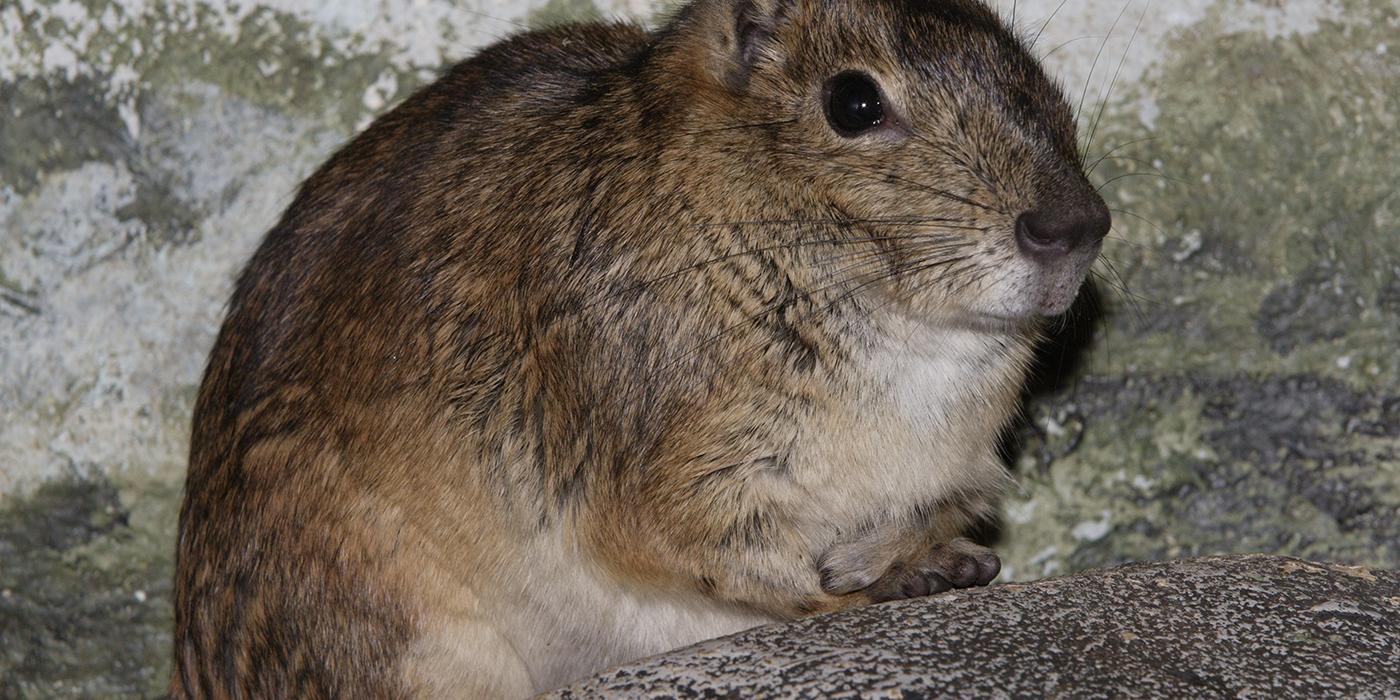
{"x":1052,"y":305}
{"x":1020,"y":304}
{"x":984,"y":320}
{"x":1057,"y":285}
{"x":1030,"y":307}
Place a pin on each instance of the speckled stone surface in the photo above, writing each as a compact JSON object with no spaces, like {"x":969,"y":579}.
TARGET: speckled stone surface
{"x":1237,"y":627}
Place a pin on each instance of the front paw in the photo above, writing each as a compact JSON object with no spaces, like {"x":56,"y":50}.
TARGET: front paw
{"x":957,"y":564}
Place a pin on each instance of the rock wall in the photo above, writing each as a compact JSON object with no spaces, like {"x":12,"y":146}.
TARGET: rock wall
{"x":1230,"y":384}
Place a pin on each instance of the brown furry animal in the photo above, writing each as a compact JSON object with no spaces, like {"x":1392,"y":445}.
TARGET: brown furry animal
{"x":611,"y":341}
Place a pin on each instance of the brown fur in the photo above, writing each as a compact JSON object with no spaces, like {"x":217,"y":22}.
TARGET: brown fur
{"x":608,"y":302}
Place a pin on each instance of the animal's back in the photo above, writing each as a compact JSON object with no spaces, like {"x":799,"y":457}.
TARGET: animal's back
{"x":321,"y":405}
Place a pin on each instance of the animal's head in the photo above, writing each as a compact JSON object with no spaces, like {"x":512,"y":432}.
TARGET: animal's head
{"x":925,"y":124}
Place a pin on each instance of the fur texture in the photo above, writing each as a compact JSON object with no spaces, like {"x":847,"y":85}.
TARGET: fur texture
{"x":606,"y":343}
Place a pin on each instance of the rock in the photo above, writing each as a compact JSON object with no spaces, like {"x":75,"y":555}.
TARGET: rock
{"x":1242,"y":626}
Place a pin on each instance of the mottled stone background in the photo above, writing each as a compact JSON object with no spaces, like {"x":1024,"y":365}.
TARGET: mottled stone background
{"x":1232,"y":384}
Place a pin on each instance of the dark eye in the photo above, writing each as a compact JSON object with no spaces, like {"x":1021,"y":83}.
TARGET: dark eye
{"x":853,"y":103}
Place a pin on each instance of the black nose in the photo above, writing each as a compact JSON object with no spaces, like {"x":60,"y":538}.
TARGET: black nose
{"x":1051,"y":232}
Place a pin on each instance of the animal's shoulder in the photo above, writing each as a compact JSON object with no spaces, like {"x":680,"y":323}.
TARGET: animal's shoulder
{"x":567,"y":50}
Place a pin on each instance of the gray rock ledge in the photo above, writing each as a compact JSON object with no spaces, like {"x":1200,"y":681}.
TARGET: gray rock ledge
{"x":1237,"y":627}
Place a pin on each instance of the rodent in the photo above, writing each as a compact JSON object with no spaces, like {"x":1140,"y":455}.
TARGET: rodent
{"x":609,"y":341}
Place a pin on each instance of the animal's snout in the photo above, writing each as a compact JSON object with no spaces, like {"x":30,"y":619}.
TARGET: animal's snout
{"x":1048,"y":233}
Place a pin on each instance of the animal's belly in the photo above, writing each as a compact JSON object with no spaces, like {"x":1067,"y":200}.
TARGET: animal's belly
{"x":573,"y":622}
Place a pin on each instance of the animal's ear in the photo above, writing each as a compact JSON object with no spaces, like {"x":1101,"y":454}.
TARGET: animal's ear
{"x":753,"y":37}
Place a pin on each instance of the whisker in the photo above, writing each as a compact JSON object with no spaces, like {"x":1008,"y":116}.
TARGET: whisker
{"x":767,"y":308}
{"x":912,"y":220}
{"x":1045,"y":24}
{"x":1079,"y":108}
{"x":1101,"y":279}
{"x":924,"y":251}
{"x":1124,"y":241}
{"x":1141,"y":218}
{"x":638,"y":286}
{"x":1103,"y":106}
{"x":503,"y":20}
{"x":956,"y":158}
{"x":1115,"y":149}
{"x":937,"y":191}
{"x":886,"y":175}
{"x":1120,"y":285}
{"x":909,"y":295}
{"x":1142,"y":162}
{"x":912,"y":271}
{"x":1125,"y":176}
{"x":1119,"y":276}
{"x":1053,"y":51}
{"x":1101,"y":312}
{"x":790,"y":245}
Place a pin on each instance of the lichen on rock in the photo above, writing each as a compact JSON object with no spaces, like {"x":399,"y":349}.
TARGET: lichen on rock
{"x":1228,"y":377}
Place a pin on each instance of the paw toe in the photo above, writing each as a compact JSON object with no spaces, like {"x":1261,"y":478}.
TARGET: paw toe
{"x":964,"y":564}
{"x":925,"y":583}
{"x":988,"y":566}
{"x":962,"y":571}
